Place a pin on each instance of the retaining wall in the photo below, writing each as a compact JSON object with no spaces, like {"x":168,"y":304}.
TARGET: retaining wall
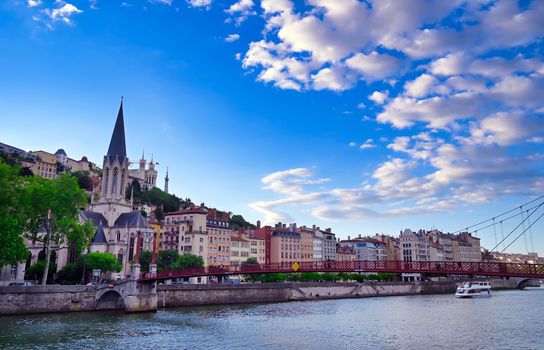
{"x":39,"y":299}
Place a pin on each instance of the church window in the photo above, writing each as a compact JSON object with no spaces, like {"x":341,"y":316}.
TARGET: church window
{"x":114,"y":182}
{"x":122,"y":182}
{"x":106,"y":177}
{"x":131,"y":248}
{"x":118,"y":235}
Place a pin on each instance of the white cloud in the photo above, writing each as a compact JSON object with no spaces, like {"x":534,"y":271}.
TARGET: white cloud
{"x":198,"y":3}
{"x":163,"y":2}
{"x":33,"y":3}
{"x":232,"y":38}
{"x":379,"y":97}
{"x":241,"y":10}
{"x":374,"y":65}
{"x":62,"y":14}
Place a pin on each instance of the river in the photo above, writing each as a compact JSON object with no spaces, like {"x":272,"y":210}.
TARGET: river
{"x":508,"y":320}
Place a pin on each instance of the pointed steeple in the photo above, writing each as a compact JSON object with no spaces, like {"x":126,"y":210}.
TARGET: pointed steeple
{"x":117,"y":143}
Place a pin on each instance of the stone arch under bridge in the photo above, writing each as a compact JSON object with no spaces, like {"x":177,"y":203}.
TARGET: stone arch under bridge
{"x":129,"y":295}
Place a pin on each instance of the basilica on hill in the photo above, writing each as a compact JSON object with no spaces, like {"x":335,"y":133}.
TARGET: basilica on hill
{"x":118,"y":226}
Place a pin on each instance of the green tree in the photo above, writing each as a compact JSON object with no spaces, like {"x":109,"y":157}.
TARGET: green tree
{"x":102,"y":261}
{"x":83,"y":180}
{"x":145,"y":260}
{"x":71,"y":273}
{"x":186,"y":261}
{"x":36,"y":271}
{"x":329,"y":277}
{"x":251,"y":260}
{"x":237,"y":222}
{"x":52,"y":206}
{"x":159,"y":213}
{"x":166,"y":259}
{"x":273,"y":277}
{"x":12,"y":245}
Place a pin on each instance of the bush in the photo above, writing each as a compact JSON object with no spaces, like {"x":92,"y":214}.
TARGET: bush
{"x":71,"y":273}
{"x":35,"y":272}
{"x":187,"y":261}
{"x":102,"y":261}
{"x":166,"y":259}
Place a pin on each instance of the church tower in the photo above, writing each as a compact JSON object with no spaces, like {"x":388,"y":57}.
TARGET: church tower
{"x":112,"y":201}
{"x":115,"y":166}
{"x":166,"y":179}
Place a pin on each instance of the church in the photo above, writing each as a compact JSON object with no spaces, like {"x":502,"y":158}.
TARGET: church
{"x":118,"y":226}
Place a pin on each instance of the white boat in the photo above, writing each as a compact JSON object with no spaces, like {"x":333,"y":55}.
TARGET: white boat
{"x":474,"y":289}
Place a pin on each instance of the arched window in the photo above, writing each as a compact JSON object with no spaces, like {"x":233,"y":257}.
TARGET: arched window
{"x":106,"y":177}
{"x":120,"y":256}
{"x":114,"y":182}
{"x":118,"y":235}
{"x":123,"y":175}
{"x":131,"y":248}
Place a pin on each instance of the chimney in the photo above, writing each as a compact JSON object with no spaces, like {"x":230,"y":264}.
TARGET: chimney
{"x":313,"y":227}
{"x":349,"y":238}
{"x":202,"y":205}
{"x":359,"y":235}
{"x":284,"y":225}
{"x":258,"y":224}
{"x":327,"y":230}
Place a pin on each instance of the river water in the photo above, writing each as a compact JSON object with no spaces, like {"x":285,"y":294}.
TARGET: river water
{"x":508,"y":320}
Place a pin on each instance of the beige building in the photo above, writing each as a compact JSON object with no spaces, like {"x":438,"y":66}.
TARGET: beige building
{"x":185,"y":231}
{"x":239,"y":250}
{"x":285,"y":246}
{"x":344,"y":253}
{"x":392,"y":246}
{"x":306,"y":246}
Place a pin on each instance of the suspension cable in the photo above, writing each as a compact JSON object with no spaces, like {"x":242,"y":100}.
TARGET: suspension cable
{"x":531,"y":235}
{"x":515,"y":228}
{"x":508,"y":218}
{"x":523,"y":229}
{"x":534,"y":222}
{"x":502,"y":235}
{"x":498,"y":216}
{"x":495,"y":231}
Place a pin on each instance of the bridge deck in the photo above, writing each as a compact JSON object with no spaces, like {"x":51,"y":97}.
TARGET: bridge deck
{"x":433,"y":267}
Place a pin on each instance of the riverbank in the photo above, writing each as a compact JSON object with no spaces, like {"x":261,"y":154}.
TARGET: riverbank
{"x":56,"y":298}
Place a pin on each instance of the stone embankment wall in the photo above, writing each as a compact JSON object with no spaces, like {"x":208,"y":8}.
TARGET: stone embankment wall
{"x":192,"y":295}
{"x":40,"y":299}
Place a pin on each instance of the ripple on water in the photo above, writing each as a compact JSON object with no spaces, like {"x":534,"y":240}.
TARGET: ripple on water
{"x":508,"y":320}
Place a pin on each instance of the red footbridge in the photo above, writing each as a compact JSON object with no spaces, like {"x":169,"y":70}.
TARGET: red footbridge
{"x":497,"y":269}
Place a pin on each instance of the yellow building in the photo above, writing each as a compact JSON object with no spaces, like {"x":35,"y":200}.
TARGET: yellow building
{"x":239,"y":250}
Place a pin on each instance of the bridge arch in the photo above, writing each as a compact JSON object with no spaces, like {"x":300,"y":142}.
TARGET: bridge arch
{"x":110,"y":300}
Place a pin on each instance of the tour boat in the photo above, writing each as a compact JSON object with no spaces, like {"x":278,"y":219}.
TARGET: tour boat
{"x":474,"y":289}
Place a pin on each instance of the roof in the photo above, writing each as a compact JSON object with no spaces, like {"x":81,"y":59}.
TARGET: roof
{"x":238,"y":239}
{"x":99,"y":236}
{"x":96,"y":218}
{"x":132,"y":219}
{"x":60,"y":151}
{"x":117,"y":143}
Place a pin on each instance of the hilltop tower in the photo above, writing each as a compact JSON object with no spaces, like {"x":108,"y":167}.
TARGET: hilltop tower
{"x":166,"y":179}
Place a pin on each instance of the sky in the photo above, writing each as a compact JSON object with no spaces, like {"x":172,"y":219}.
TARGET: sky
{"x":363,"y":116}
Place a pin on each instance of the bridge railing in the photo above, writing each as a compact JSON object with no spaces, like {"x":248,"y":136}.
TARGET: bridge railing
{"x":436,"y":267}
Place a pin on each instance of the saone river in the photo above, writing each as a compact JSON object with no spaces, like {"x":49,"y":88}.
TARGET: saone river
{"x":508,"y":320}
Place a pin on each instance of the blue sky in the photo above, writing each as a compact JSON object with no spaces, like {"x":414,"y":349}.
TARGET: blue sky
{"x":361,"y":116}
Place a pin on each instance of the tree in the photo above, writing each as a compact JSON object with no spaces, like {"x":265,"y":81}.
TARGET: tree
{"x":237,"y":222}
{"x":166,"y":259}
{"x":102,"y":261}
{"x":187,"y":261}
{"x":145,"y":260}
{"x":12,"y":245}
{"x":251,"y":260}
{"x":329,"y":277}
{"x":83,"y":180}
{"x":159,"y":214}
{"x":36,"y":271}
{"x":52,"y":206}
{"x":71,"y":273}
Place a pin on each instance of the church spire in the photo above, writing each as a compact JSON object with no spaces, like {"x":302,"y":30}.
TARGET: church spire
{"x":117,"y":143}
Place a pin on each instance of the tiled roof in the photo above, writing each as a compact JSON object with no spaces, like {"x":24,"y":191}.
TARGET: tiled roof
{"x":99,"y":236}
{"x":132,"y":219}
{"x":96,"y":218}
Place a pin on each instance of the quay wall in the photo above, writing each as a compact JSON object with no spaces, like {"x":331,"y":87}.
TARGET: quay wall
{"x":42,"y":299}
{"x":194,"y":295}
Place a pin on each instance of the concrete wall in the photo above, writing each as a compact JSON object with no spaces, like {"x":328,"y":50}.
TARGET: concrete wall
{"x":38,"y":299}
